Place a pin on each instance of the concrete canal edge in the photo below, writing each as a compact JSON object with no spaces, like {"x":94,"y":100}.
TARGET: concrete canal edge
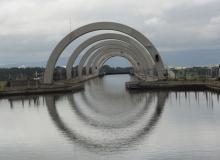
{"x":174,"y":85}
{"x":133,"y":85}
{"x":42,"y":90}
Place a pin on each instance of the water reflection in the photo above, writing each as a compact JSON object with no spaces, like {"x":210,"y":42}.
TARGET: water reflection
{"x":127,"y":126}
{"x":35,"y":101}
{"x":107,"y":119}
{"x":196,"y":96}
{"x":109,"y":145}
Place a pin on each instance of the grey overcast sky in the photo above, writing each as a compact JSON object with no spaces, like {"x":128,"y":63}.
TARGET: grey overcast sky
{"x":186,"y":32}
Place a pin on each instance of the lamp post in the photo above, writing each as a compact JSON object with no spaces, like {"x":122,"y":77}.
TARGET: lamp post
{"x":219,"y":71}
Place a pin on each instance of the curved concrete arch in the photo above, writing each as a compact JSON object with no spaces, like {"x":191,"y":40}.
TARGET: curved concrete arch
{"x":99,"y":45}
{"x":48,"y":74}
{"x":105,"y":36}
{"x":116,"y":52}
{"x":93,"y":65}
{"x":134,"y":52}
{"x":103,"y":60}
{"x":111,"y":49}
{"x":99,"y":54}
{"x":87,"y":55}
{"x":100,"y":62}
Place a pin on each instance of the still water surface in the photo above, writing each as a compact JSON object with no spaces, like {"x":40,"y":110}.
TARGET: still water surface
{"x":105,"y":121}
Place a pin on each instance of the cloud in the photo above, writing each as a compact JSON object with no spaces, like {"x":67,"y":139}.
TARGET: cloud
{"x":34,"y":27}
{"x":211,"y":31}
{"x":153,"y":21}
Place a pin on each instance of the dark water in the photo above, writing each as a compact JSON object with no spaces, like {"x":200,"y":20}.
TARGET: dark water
{"x":106,"y":122}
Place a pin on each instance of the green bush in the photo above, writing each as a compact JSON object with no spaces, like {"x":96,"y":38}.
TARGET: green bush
{"x":2,"y":85}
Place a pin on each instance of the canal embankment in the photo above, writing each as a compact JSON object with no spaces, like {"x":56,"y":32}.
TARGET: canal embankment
{"x":174,"y":85}
{"x":60,"y":87}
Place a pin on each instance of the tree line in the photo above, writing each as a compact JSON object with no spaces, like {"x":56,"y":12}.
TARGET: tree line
{"x":7,"y":74}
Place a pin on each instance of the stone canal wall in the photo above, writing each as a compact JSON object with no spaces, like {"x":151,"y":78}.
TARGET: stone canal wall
{"x":41,"y":89}
{"x":174,"y":85}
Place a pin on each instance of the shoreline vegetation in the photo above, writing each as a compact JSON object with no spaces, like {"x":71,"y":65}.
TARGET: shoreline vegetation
{"x":26,"y":81}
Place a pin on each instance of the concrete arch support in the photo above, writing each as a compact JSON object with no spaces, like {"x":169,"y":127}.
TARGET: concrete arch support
{"x":159,"y":65}
{"x":101,"y":59}
{"x":111,"y":44}
{"x":99,"y":62}
{"x":119,"y":49}
{"x":107,"y":36}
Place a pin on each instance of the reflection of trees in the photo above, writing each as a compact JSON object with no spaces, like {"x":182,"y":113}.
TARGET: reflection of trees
{"x":31,"y":100}
{"x":106,"y":146}
{"x":197,"y":97}
{"x":37,"y":101}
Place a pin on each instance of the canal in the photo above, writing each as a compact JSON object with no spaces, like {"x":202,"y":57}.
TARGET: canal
{"x":105,"y":121}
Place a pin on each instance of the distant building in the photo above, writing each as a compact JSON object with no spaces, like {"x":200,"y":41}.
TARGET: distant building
{"x":212,"y":71}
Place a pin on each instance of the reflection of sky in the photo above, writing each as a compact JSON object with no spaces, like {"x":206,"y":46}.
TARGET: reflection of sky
{"x":187,"y":129}
{"x":26,"y":132}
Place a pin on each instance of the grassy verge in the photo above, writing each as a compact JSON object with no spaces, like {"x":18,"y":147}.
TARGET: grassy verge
{"x":2,"y":85}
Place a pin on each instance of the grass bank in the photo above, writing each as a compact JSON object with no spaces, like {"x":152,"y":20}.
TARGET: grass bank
{"x":2,"y":85}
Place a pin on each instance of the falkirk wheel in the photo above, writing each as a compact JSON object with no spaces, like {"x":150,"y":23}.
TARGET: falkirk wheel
{"x":127,"y":42}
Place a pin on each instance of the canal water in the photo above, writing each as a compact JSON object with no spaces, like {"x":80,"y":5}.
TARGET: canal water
{"x":106,"y":122}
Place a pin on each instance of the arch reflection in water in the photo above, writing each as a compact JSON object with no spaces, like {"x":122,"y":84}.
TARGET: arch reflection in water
{"x":98,"y":129}
{"x":104,"y":109}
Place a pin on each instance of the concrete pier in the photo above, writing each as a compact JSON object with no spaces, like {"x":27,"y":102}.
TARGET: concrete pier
{"x":174,"y":85}
{"x":42,"y":89}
